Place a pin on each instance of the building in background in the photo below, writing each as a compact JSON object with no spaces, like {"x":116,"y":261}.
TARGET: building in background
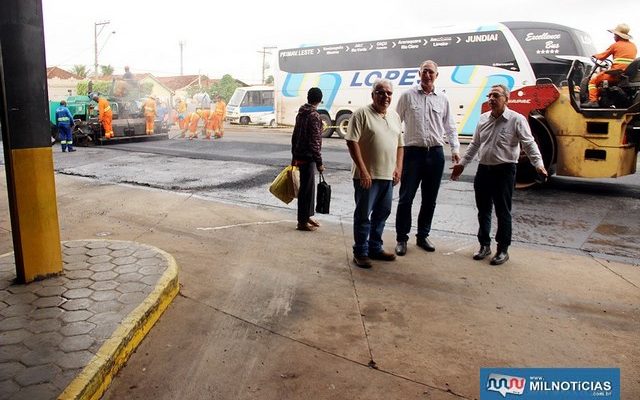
{"x":61,"y":83}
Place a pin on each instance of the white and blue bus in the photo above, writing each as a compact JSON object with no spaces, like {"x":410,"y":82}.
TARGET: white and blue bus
{"x":470,"y":61}
{"x":249,"y":104}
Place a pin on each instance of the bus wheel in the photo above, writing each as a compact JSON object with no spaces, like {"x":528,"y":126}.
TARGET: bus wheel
{"x":326,"y":123}
{"x":342,"y":123}
{"x":273,"y":123}
{"x":244,"y":120}
{"x":526,"y":174}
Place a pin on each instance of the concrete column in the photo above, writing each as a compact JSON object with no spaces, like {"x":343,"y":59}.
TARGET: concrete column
{"x":27,"y":141}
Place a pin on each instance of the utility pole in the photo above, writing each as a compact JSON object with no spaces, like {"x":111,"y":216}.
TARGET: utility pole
{"x":264,"y":61}
{"x":95,"y":43}
{"x":181,"y":44}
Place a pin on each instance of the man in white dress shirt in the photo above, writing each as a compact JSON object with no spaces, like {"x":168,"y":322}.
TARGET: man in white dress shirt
{"x":498,"y":137}
{"x":427,"y":123}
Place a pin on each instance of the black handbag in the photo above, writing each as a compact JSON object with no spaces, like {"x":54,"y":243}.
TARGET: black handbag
{"x":323,"y":196}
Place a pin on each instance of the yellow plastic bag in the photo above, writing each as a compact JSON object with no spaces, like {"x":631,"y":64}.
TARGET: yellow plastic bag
{"x":283,"y":186}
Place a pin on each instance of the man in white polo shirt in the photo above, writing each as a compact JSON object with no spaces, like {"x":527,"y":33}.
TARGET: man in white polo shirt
{"x":374,"y":138}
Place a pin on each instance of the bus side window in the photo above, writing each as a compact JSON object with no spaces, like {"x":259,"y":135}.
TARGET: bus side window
{"x":267,"y":98}
{"x":255,"y":99}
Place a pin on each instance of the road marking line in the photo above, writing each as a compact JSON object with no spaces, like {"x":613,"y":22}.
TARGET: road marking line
{"x":217,"y":228}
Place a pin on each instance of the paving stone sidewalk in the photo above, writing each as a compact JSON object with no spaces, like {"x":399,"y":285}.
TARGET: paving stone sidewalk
{"x":50,"y":330}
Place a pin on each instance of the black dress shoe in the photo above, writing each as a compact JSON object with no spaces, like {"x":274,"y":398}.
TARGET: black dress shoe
{"x":362,"y":261}
{"x":401,"y":248}
{"x":500,"y":258}
{"x":426,"y":244}
{"x":482,"y":253}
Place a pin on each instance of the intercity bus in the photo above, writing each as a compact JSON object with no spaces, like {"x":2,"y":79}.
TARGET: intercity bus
{"x":517,"y":54}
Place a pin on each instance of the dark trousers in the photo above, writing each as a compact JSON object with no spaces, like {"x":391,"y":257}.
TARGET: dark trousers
{"x":65,"y":136}
{"x":422,"y":167}
{"x":307,"y":193}
{"x":493,"y":187}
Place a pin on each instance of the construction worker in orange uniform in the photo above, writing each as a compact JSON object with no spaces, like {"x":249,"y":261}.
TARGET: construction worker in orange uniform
{"x":623,"y":52}
{"x":210,"y":122}
{"x":204,"y":114}
{"x":184,"y":125}
{"x":219,"y":115}
{"x":150,"y":114}
{"x":194,"y":118}
{"x":105,"y":115}
{"x":181,"y":110}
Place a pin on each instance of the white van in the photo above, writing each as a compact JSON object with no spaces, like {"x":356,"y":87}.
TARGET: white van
{"x":250,"y":104}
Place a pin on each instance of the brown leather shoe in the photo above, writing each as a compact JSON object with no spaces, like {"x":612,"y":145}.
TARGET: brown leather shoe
{"x":382,"y":256}
{"x":306,"y":227}
{"x":362,"y":261}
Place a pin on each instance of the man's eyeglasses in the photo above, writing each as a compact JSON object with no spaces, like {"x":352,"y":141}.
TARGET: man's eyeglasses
{"x":383,"y":93}
{"x":496,"y":95}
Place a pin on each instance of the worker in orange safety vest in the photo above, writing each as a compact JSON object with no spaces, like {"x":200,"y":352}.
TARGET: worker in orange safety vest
{"x":193,"y":119}
{"x":149,"y":114}
{"x":105,"y":115}
{"x":204,"y":114}
{"x":623,"y":52}
{"x":219,"y":115}
{"x":181,"y":109}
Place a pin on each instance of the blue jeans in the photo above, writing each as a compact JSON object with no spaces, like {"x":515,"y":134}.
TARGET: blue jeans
{"x":422,"y":167}
{"x":373,"y":207}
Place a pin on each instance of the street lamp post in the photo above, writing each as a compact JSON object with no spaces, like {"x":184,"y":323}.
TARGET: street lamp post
{"x":95,"y":42}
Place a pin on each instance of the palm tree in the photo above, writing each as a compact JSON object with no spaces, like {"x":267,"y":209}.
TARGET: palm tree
{"x":107,"y":70}
{"x":80,"y":71}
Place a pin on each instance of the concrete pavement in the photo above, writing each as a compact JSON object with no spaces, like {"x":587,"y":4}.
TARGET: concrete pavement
{"x":269,"y":312}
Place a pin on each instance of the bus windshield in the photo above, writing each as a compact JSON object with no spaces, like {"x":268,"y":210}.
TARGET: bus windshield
{"x":236,"y":98}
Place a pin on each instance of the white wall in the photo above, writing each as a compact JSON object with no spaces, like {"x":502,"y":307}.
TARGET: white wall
{"x":59,"y":88}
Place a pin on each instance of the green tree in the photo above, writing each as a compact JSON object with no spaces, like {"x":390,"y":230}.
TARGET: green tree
{"x":80,"y":71}
{"x":106,"y":70}
{"x":102,"y":87}
{"x":224,"y":87}
{"x":146,"y":88}
{"x":191,"y":90}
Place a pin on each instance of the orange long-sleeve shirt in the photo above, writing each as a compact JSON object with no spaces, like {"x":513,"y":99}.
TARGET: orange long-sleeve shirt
{"x":622,"y":51}
{"x":221,"y":109}
{"x":104,"y":109}
{"x":150,"y":108}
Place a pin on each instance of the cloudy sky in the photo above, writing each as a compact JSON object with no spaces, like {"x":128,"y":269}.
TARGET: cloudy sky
{"x":226,"y":37}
